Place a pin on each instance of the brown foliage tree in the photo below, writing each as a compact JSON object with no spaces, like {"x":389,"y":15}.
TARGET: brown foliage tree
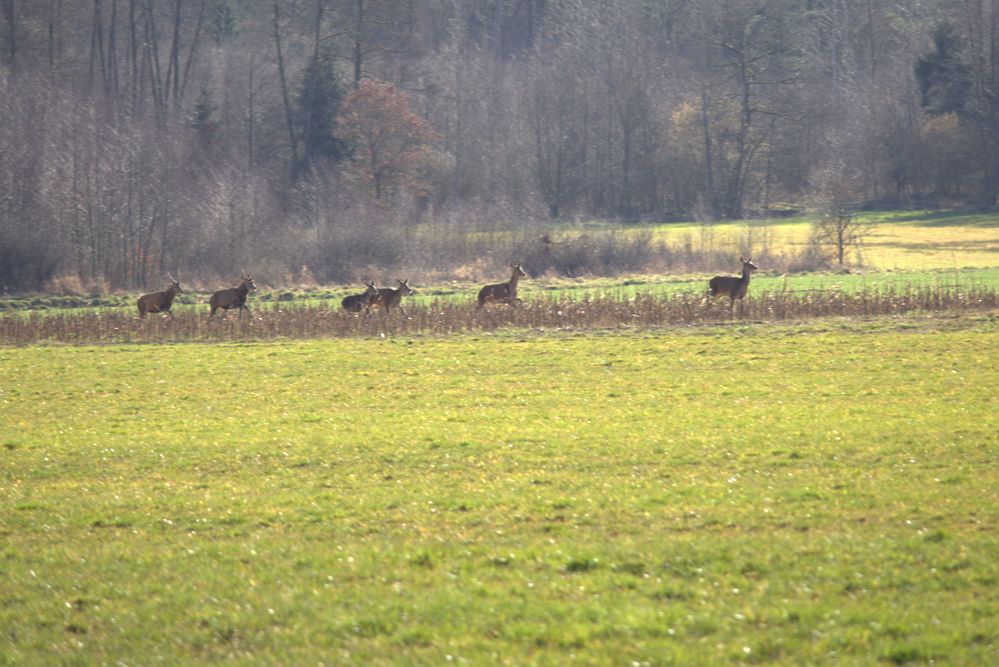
{"x":390,"y":143}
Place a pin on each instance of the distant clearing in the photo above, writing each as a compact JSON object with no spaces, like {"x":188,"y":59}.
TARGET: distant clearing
{"x":903,"y":241}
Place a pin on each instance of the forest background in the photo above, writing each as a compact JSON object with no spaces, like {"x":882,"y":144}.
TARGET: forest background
{"x":322,"y":140}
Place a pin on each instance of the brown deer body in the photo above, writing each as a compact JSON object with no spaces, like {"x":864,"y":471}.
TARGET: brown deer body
{"x":389,"y":298}
{"x":355,"y":303}
{"x":503,"y":292}
{"x":734,"y":287}
{"x":233,"y":297}
{"x":160,"y":302}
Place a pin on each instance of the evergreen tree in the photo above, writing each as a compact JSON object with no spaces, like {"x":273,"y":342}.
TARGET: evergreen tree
{"x":319,"y":102}
{"x":944,"y":80}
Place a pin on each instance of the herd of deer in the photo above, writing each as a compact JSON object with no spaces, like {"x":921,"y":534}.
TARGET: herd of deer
{"x":230,"y":297}
{"x":387,"y":298}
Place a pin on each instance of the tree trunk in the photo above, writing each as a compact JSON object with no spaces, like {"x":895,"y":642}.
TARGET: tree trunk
{"x":10,"y":17}
{"x":54,"y":19}
{"x":112,"y":50}
{"x":173,"y":63}
{"x":709,"y":175}
{"x":152,"y":58}
{"x":97,"y":45}
{"x":193,"y":51}
{"x":358,"y":43}
{"x":292,"y":141}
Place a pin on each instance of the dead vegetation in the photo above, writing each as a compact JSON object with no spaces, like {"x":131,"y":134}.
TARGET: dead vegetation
{"x":443,"y":317}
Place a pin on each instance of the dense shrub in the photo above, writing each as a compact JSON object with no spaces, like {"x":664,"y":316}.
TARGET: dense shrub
{"x":27,"y":262}
{"x":347,"y":254}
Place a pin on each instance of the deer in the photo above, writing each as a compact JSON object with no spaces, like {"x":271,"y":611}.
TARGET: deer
{"x":503,"y":292}
{"x":389,"y":297}
{"x":734,"y":287}
{"x":355,"y":303}
{"x":233,"y":297}
{"x":160,"y":302}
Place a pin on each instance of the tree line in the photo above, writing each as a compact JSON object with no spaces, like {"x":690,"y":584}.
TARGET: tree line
{"x":141,"y":136}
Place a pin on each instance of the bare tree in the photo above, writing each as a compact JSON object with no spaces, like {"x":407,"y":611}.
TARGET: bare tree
{"x":840,"y":228}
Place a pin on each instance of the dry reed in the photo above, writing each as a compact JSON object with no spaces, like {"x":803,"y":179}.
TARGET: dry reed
{"x":443,"y":317}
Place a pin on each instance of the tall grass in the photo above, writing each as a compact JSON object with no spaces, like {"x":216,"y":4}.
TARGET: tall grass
{"x":443,"y":317}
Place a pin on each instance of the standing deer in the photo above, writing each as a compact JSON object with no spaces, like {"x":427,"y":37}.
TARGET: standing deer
{"x":233,"y":297}
{"x":388,"y":297}
{"x":734,"y":287}
{"x":503,"y":292}
{"x":160,"y":302}
{"x":355,"y":303}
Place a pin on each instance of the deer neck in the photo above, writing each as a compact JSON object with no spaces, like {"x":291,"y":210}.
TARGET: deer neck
{"x":746,"y":274}
{"x":513,"y":283}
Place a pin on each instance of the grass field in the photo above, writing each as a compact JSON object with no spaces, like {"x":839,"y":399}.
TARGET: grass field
{"x":820,"y":493}
{"x":892,"y":241}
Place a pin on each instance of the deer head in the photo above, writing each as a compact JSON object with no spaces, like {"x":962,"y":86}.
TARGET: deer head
{"x":175,"y":284}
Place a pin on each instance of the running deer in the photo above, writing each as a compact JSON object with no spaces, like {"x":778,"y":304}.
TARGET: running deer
{"x":503,"y":292}
{"x":389,"y":297}
{"x":233,"y":297}
{"x":160,"y":302}
{"x":734,"y":287}
{"x":355,"y":303}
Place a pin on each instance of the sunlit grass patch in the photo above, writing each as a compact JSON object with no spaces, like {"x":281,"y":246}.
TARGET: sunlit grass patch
{"x":905,"y":246}
{"x":909,"y":242}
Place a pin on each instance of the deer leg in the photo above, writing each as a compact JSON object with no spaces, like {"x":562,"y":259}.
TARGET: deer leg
{"x":404,"y":313}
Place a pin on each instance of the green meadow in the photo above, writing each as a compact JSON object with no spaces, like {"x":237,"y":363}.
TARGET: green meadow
{"x":820,"y":493}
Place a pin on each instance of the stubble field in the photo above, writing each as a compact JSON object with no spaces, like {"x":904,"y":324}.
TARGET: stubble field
{"x":723,"y":494}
